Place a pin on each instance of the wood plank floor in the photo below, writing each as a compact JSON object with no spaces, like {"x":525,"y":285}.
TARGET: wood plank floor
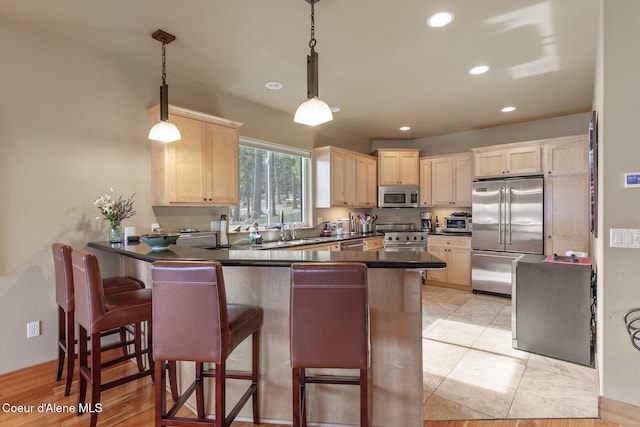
{"x":131,"y":405}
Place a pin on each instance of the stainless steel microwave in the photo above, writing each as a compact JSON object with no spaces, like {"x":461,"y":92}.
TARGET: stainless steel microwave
{"x":398,"y":196}
{"x":457,"y":224}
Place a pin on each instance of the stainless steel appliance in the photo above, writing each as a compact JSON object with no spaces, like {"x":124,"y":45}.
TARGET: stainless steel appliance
{"x":425,"y":221}
{"x":398,"y":196}
{"x":507,"y":222}
{"x":553,"y":307}
{"x":198,"y":239}
{"x":457,"y":224}
{"x":352,"y":245}
{"x":403,"y":237}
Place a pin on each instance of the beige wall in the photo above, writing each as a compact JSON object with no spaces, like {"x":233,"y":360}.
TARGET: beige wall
{"x":617,"y":101}
{"x":73,"y":124}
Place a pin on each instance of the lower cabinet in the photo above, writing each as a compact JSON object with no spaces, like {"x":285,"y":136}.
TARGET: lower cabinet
{"x":456,"y":252}
{"x":374,"y":243}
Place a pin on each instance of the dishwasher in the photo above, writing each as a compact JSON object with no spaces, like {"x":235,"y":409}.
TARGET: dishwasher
{"x":352,"y":245}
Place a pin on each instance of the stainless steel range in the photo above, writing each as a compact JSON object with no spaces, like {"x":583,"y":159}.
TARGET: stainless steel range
{"x":403,"y":237}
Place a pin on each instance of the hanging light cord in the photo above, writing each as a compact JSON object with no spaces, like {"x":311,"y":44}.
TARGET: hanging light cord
{"x":164,"y":68}
{"x":312,"y":42}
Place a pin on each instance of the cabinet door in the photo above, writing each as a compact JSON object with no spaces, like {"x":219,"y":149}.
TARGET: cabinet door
{"x":567,"y":213}
{"x":189,"y":175}
{"x":366,"y":182}
{"x":489,"y":163}
{"x":442,"y":184}
{"x":438,"y":275}
{"x":388,"y":173}
{"x":408,"y":168}
{"x":462,"y":180}
{"x":343,"y":177}
{"x":460,"y":271}
{"x":523,"y":160}
{"x":425,"y":182}
{"x":568,"y":156}
{"x":374,"y":244}
{"x":223,"y":165}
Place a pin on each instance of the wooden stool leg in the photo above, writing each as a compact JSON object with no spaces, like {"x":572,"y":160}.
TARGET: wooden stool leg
{"x":200,"y":390}
{"x":173,"y":380}
{"x":364,"y":398}
{"x":137,"y":339}
{"x":161,"y":401}
{"x":255,"y":365}
{"x":123,"y":340}
{"x":70,"y":350}
{"x":61,"y":340}
{"x":303,"y":396}
{"x":221,"y":394}
{"x":96,"y":377}
{"x":296,"y":397}
{"x":83,"y":360}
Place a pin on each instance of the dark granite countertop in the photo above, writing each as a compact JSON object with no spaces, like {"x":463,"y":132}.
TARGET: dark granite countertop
{"x":274,"y":258}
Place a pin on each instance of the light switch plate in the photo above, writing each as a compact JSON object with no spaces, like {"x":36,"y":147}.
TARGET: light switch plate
{"x":624,"y":238}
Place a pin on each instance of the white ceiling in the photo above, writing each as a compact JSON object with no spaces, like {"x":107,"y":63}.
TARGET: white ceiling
{"x":379,"y":62}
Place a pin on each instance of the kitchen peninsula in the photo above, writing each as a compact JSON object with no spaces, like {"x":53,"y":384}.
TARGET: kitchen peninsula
{"x":262,"y":278}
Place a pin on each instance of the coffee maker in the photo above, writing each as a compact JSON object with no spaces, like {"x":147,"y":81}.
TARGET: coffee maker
{"x":426,"y":221}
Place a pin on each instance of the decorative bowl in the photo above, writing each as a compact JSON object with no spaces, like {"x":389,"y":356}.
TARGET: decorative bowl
{"x":159,"y":241}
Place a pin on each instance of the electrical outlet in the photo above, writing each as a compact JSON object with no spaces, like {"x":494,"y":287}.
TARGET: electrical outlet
{"x":155,"y":227}
{"x":33,"y":329}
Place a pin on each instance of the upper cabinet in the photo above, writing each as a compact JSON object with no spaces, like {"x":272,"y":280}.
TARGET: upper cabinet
{"x":425,"y":182}
{"x":398,"y":166}
{"x":344,"y":178}
{"x":507,"y":160}
{"x":366,"y":181}
{"x":202,"y":168}
{"x":451,"y":180}
{"x":567,"y":204}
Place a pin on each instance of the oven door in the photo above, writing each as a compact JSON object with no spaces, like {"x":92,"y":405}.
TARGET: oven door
{"x":405,"y":248}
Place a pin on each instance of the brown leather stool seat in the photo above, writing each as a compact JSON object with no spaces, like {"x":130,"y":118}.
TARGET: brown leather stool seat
{"x":192,"y":322}
{"x":329,"y":328}
{"x":96,"y":313}
{"x":66,"y":310}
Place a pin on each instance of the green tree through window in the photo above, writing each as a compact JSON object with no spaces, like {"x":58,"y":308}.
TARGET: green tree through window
{"x":271,"y":183}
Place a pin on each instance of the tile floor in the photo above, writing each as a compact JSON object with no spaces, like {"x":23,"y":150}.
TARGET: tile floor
{"x":472,"y":372}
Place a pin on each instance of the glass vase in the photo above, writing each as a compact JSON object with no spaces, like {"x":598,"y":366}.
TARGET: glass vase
{"x":115,"y":233}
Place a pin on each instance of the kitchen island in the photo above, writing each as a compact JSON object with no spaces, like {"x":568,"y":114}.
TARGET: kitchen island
{"x":261,"y":278}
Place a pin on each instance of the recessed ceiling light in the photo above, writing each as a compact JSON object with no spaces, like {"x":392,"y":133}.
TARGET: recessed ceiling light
{"x":405,"y":128}
{"x":440,"y":19}
{"x":479,"y":69}
{"x":273,"y":86}
{"x":508,"y":109}
{"x":335,"y":109}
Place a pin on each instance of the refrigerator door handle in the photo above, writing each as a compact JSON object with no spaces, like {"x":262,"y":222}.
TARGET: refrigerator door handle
{"x":508,"y":215}
{"x":500,"y":215}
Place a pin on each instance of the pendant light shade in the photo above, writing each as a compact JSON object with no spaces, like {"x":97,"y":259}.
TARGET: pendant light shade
{"x":164,"y":131}
{"x":313,"y":111}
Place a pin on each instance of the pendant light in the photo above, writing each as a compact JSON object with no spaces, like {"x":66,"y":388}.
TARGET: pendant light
{"x":313,"y":111}
{"x":164,"y":131}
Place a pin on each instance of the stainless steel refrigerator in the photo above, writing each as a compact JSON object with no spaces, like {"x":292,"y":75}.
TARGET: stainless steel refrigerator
{"x":507,"y":222}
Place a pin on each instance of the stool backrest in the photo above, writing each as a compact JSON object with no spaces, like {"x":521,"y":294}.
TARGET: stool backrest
{"x":329,"y":315}
{"x":87,"y":287}
{"x":63,"y":275}
{"x":190,"y":320}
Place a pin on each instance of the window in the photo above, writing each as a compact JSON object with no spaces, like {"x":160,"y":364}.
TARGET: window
{"x":273,"y":182}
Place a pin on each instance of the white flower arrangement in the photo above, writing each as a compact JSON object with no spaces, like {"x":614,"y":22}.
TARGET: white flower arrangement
{"x":115,"y":211}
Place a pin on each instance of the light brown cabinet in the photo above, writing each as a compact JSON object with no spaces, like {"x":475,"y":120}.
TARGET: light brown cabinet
{"x":456,"y":252}
{"x":567,"y":201}
{"x":335,"y":181}
{"x":366,"y":181}
{"x":344,"y":178}
{"x":451,"y":180}
{"x":374,"y":243}
{"x":517,"y":159}
{"x":425,"y":182}
{"x":202,"y":168}
{"x":398,"y":166}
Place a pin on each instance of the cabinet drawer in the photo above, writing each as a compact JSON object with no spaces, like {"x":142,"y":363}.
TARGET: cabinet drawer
{"x":462,"y":242}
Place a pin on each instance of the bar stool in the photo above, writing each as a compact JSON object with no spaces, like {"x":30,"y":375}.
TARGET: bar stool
{"x":193,"y":322}
{"x":329,"y":328}
{"x":66,"y":310}
{"x":97,"y":313}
